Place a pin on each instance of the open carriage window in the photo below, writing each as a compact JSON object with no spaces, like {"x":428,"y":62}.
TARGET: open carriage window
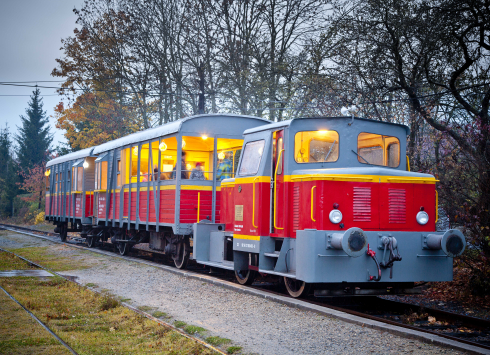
{"x":229,"y":151}
{"x":252,"y":156}
{"x":316,"y":146}
{"x":197,"y":158}
{"x":377,"y":149}
{"x":168,"y":158}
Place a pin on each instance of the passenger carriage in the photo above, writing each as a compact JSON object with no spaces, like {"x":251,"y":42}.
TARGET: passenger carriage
{"x":315,"y":200}
{"x":69,"y":190}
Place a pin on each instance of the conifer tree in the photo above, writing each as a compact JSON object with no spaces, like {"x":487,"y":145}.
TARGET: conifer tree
{"x":8,"y":174}
{"x":34,"y":137}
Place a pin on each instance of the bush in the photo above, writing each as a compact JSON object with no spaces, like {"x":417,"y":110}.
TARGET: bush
{"x":39,"y":218}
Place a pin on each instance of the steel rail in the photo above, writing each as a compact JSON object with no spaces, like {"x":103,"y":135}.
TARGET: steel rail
{"x":466,"y":319}
{"x":147,"y":315}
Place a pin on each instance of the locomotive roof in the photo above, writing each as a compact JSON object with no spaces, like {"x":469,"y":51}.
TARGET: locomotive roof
{"x":163,"y":130}
{"x":71,"y":156}
{"x":287,"y":123}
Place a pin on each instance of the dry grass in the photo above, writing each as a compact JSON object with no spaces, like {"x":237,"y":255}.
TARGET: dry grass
{"x":11,"y":262}
{"x":52,"y":260}
{"x":20,"y":334}
{"x":93,"y":323}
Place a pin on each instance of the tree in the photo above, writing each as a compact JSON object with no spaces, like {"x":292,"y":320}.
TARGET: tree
{"x":8,"y":174}
{"x":432,"y":58}
{"x":34,"y":137}
{"x":34,"y":183}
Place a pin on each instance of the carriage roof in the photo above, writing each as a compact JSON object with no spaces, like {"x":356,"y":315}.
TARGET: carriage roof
{"x":160,"y":131}
{"x":71,"y":156}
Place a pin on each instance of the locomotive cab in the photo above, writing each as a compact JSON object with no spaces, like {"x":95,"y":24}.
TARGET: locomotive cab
{"x":330,"y":202}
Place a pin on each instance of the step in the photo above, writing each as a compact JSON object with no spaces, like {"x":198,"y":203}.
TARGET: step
{"x":273,"y":255}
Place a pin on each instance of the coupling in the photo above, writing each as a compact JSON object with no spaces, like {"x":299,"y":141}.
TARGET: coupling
{"x":452,"y":242}
{"x":353,"y":241}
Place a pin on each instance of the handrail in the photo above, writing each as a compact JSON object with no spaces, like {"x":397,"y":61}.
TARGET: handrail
{"x":253,"y":202}
{"x":408,"y":163}
{"x":312,"y":189}
{"x":198,"y":205}
{"x":275,"y":189}
{"x":437,"y":206}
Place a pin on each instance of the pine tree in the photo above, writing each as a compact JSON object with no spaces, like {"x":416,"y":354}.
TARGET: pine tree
{"x":8,"y":174}
{"x":34,"y":137}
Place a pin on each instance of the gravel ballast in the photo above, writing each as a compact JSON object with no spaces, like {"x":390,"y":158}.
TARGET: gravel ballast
{"x":258,"y":325}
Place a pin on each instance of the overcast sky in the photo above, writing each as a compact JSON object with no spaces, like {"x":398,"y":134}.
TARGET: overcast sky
{"x":30,"y":41}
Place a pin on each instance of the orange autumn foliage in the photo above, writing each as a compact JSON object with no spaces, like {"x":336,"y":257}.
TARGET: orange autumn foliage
{"x":93,"y":119}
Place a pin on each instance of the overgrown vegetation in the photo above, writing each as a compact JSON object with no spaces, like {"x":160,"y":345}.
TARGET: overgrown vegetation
{"x":49,"y":259}
{"x":94,"y":323}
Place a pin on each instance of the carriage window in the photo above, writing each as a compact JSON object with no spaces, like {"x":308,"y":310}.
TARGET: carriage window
{"x":252,"y":156}
{"x":119,"y":173}
{"x":376,"y":149}
{"x":97,"y":176}
{"x":316,"y":146}
{"x":197,"y":158}
{"x":74,"y":180}
{"x":103,"y":178}
{"x":168,"y":158}
{"x":144,"y":158}
{"x":80,"y":178}
{"x":229,"y":151}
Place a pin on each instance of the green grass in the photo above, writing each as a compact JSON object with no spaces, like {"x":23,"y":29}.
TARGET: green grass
{"x":217,"y":341}
{"x":50,"y":259}
{"x":90,"y":284}
{"x":158,"y":314}
{"x":145,"y":308}
{"x":193,"y":329}
{"x":233,"y":349}
{"x":125,"y":299}
{"x":179,"y":324}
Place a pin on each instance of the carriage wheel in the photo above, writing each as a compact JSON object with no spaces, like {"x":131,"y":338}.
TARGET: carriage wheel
{"x":296,"y":288}
{"x":182,"y":256}
{"x":91,"y":241}
{"x":247,"y":277}
{"x":123,"y":248}
{"x":63,"y":232}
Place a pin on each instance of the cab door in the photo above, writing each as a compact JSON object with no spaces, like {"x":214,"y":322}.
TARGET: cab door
{"x":278,"y":186}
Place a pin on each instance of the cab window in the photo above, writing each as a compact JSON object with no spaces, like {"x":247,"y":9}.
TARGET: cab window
{"x":316,"y":146}
{"x":377,"y":149}
{"x":252,"y":155}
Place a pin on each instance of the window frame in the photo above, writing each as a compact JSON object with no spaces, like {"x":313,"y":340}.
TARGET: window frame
{"x":385,"y":150}
{"x":244,"y":147}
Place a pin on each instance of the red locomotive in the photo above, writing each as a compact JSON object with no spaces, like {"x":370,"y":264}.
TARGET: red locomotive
{"x":322,"y":202}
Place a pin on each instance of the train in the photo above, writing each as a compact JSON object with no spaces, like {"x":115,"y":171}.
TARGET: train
{"x":326,"y":205}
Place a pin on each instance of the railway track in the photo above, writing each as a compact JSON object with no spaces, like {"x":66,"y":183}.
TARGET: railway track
{"x":460,"y":328}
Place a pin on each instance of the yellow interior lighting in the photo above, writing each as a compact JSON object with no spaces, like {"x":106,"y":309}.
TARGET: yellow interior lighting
{"x":135,"y":151}
{"x":204,"y":137}
{"x":189,"y":166}
{"x":322,"y":131}
{"x":221,"y":155}
{"x":162,"y":147}
{"x":183,"y":143}
{"x":47,"y":172}
{"x":85,"y":164}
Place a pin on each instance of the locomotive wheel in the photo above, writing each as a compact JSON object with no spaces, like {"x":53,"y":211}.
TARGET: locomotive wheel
{"x":63,"y":232}
{"x":183,"y":252}
{"x":296,"y":288}
{"x":247,"y":277}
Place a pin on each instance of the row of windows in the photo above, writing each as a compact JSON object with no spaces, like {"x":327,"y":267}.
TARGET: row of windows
{"x":157,"y":161}
{"x":323,"y":146}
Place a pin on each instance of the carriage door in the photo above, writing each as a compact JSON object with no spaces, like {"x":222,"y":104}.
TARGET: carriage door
{"x":278,"y":197}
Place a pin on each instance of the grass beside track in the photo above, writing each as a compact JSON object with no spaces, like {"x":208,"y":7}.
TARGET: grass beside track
{"x":90,"y":323}
{"x":46,"y":257}
{"x":21,"y":334}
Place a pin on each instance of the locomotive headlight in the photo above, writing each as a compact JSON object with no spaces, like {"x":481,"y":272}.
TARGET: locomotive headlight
{"x":335,"y":216}
{"x":422,"y":218}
